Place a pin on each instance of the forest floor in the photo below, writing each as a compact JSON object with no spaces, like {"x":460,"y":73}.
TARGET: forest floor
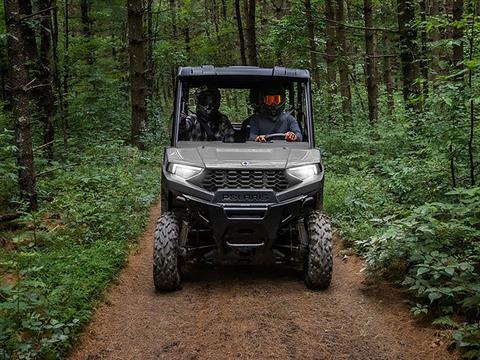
{"x":254,"y":313}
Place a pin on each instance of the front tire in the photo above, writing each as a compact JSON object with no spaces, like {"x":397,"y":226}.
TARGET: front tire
{"x":319,"y":259}
{"x":166,"y":272}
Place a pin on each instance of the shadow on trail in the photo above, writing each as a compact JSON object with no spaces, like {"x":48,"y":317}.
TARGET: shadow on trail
{"x":242,"y":274}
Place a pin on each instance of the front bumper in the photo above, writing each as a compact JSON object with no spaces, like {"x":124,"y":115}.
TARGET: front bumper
{"x":245,"y":218}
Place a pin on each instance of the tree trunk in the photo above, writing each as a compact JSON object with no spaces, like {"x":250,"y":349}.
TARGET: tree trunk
{"x":279,"y":8}
{"x":408,"y":52}
{"x":66,"y":72}
{"x":238,"y":15}
{"x":425,"y":56}
{"x":86,"y":27}
{"x":435,"y":37}
{"x":311,"y":42}
{"x":251,"y":33}
{"x":213,"y":12}
{"x":150,"y":68}
{"x":188,"y":47}
{"x":137,"y":69}
{"x":224,"y":10}
{"x":387,"y":73}
{"x":330,"y":45}
{"x":18,"y":50}
{"x":372,"y":87}
{"x":471,"y":145}
{"x":343,"y":63}
{"x":457,"y":34}
{"x":46,"y":100}
{"x":3,"y":81}
{"x":55,"y":68}
{"x":173,"y":10}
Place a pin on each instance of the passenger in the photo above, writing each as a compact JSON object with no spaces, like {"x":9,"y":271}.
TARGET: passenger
{"x":208,"y":123}
{"x":271,"y":118}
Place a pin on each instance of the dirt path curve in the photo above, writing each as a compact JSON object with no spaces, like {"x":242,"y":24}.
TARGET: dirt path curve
{"x":253,"y":313}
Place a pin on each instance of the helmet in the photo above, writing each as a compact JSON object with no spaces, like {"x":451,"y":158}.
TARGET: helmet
{"x":208,"y":101}
{"x":273,"y":101}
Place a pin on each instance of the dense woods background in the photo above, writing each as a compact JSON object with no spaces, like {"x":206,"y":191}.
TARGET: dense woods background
{"x":86,"y":92}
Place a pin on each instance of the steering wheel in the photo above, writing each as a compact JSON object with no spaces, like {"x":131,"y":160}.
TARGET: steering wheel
{"x":278,"y":136}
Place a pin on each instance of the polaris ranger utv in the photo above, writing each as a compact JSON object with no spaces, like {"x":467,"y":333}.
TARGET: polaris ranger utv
{"x":243,"y":201}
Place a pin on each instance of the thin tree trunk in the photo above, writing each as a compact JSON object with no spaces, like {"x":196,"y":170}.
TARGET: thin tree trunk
{"x":224,"y":10}
{"x":356,"y":91}
{"x":86,"y":27}
{"x":278,"y":8}
{"x":137,"y":69}
{"x":188,"y":48}
{"x":471,"y":40}
{"x":3,"y":79}
{"x":435,"y":38}
{"x":371,"y":68}
{"x":387,"y":63}
{"x":387,"y":73}
{"x":425,"y":55}
{"x":66,"y":73}
{"x":251,"y":33}
{"x":330,"y":45}
{"x":408,"y":52}
{"x":173,"y":10}
{"x":56,"y":71}
{"x":457,"y":34}
{"x":213,"y":12}
{"x":149,"y":73}
{"x":19,"y":57}
{"x":241,"y":38}
{"x":311,"y":42}
{"x":452,"y":166}
{"x":343,"y":63}
{"x":45,"y":97}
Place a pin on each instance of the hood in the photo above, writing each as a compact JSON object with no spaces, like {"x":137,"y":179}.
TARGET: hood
{"x":243,"y":158}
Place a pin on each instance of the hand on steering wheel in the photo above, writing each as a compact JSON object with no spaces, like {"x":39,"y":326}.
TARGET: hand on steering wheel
{"x":290,"y":136}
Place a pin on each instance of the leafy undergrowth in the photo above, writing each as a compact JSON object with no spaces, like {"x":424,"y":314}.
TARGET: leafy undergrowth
{"x":389,"y":194}
{"x":59,"y":260}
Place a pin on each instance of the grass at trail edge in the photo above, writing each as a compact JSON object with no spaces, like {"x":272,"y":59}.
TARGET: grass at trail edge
{"x":66,"y":254}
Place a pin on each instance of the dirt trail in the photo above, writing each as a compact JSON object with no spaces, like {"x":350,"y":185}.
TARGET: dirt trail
{"x":253,"y":313}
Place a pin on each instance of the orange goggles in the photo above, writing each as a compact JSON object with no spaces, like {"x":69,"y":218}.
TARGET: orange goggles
{"x":272,"y":99}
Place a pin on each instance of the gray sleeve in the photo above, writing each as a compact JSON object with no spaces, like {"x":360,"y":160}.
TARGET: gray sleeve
{"x":254,"y":131}
{"x":293,"y":127}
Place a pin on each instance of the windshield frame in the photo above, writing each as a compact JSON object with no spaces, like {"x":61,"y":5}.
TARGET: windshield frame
{"x":177,"y":113}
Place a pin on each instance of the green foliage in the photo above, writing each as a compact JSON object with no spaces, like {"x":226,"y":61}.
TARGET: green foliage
{"x":97,"y":204}
{"x":387,"y":189}
{"x":387,"y":184}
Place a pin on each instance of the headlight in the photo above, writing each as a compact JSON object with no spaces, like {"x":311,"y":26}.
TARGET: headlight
{"x":304,"y":172}
{"x":184,"y":171}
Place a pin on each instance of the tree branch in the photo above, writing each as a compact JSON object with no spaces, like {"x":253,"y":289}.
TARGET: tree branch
{"x":361,"y":27}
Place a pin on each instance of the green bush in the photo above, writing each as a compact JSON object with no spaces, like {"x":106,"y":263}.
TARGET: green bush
{"x":387,"y":191}
{"x":99,"y":201}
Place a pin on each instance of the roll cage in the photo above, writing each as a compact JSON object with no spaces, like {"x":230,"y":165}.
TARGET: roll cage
{"x":295,"y":81}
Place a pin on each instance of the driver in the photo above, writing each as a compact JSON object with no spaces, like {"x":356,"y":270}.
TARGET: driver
{"x":207,"y":124}
{"x":271,"y":118}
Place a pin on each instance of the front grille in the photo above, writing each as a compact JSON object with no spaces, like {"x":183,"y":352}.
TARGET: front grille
{"x":245,"y":179}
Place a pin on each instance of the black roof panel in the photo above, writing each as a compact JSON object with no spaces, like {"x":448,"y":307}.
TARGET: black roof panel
{"x":250,"y":71}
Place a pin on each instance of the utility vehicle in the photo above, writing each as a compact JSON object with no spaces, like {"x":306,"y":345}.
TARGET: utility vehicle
{"x":244,"y":202}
